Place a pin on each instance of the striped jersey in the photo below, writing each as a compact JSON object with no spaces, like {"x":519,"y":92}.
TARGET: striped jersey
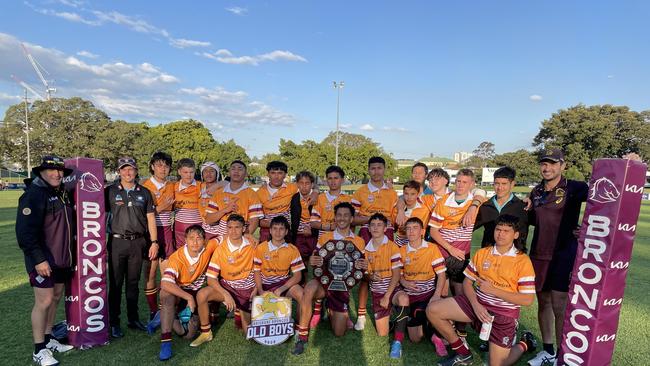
{"x":447,"y":217}
{"x":369,"y":200}
{"x":511,"y":272}
{"x":186,"y":204}
{"x":382,"y":260}
{"x":187,"y":272}
{"x":422,"y":265}
{"x":276,"y":202}
{"x":248,"y":205}
{"x":275,"y":264}
{"x":161,"y":192}
{"x":323,"y":210}
{"x":234,"y":265}
{"x":421,"y":210}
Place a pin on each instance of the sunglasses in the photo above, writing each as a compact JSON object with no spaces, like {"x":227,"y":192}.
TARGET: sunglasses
{"x":123,"y":161}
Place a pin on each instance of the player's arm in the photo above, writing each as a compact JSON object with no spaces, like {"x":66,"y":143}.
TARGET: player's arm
{"x":153,"y":234}
{"x":170,"y":286}
{"x":437,"y":237}
{"x":253,"y":223}
{"x":30,"y":217}
{"x":480,"y":196}
{"x":400,"y":218}
{"x":480,"y":310}
{"x":396,"y":275}
{"x":294,"y":280}
{"x":360,"y":219}
{"x":441,"y":278}
{"x":258,"y":281}
{"x":516,"y":298}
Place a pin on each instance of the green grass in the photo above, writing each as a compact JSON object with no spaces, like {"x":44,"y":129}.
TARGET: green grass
{"x":229,"y":346}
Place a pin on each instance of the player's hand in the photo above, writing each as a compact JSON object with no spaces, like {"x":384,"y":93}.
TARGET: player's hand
{"x":253,"y":293}
{"x":486,"y":286}
{"x":153,"y":251}
{"x":632,"y":156}
{"x":312,"y":198}
{"x":375,"y":277}
{"x":315,"y":261}
{"x":385,"y":301}
{"x":434,"y":298}
{"x":470,"y":216}
{"x":528,"y":202}
{"x":251,"y":239}
{"x":43,"y":269}
{"x":409,"y":285}
{"x":400,"y":220}
{"x":191,"y":304}
{"x":231,"y":207}
{"x":389,"y":183}
{"x":482,"y":313}
{"x":228,"y":301}
{"x":361,"y":263}
{"x":165,"y":204}
{"x":455,"y":252}
{"x":278,"y":291}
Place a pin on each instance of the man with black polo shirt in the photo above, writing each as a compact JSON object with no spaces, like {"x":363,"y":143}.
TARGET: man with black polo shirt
{"x":555,"y":211}
{"x":132,"y":218}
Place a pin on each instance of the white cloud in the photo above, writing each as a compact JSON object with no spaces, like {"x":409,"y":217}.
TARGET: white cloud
{"x":72,"y":3}
{"x":186,"y":43}
{"x":535,"y":97}
{"x":345,"y":126}
{"x":87,"y":54}
{"x":367,"y":127}
{"x":4,"y":97}
{"x":394,"y":129}
{"x":227,"y":57}
{"x":237,"y":10}
{"x":610,"y":76}
{"x":73,"y":17}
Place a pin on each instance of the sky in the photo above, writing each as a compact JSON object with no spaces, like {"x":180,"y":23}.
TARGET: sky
{"x":420,"y":77}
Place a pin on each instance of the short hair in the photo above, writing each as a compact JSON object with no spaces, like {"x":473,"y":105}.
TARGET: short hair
{"x":377,"y":159}
{"x":160,"y":156}
{"x":237,"y":161}
{"x":280,"y":220}
{"x":505,"y":172}
{"x":421,"y":165}
{"x":466,"y":172}
{"x":185,"y":163}
{"x":341,"y":205}
{"x":305,"y":174}
{"x":195,"y":229}
{"x":439,"y":172}
{"x":335,"y":169}
{"x":276,"y":165}
{"x":236,"y":218}
{"x":513,"y":222}
{"x":413,"y":185}
{"x":414,"y":220}
{"x":378,"y":216}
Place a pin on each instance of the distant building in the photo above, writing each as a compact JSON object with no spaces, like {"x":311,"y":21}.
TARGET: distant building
{"x":462,"y":156}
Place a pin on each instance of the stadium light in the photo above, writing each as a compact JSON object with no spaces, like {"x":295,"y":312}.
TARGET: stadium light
{"x":338,"y":86}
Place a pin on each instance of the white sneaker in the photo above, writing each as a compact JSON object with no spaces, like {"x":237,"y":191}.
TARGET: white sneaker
{"x":55,"y":346}
{"x":542,"y":358}
{"x":44,"y":358}
{"x":361,"y":323}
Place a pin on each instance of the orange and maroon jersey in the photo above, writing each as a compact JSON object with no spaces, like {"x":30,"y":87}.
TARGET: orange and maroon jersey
{"x":422,"y":265}
{"x":323,"y":210}
{"x":369,"y":200}
{"x":233,"y":264}
{"x":382,"y":261}
{"x":276,"y":202}
{"x":161,"y":192}
{"x":186,"y":204}
{"x":420,"y":210}
{"x":187,"y":272}
{"x":275,"y":264}
{"x":248,"y":204}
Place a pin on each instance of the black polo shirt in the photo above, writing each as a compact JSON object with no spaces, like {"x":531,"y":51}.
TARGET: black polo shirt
{"x":488,"y":213}
{"x":128,"y":209}
{"x":555,"y":214}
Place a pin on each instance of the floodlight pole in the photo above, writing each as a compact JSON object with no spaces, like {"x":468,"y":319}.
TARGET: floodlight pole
{"x":338,"y":86}
{"x":29,"y":160}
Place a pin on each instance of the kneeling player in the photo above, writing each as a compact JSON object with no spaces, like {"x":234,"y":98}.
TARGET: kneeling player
{"x":230,"y":278}
{"x":183,"y":277}
{"x":337,"y":301}
{"x":505,"y":280}
{"x":384,"y":264}
{"x":278,"y":264}
{"x":423,"y":276}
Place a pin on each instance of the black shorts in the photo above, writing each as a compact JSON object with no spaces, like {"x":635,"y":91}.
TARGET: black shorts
{"x":455,"y":269}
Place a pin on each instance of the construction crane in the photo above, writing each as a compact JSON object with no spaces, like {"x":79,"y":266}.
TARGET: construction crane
{"x":37,"y":67}
{"x":27,"y":87}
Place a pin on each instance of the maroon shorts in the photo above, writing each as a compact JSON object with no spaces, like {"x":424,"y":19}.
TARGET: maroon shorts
{"x":179,"y":232}
{"x":418,"y":303}
{"x":165,"y":241}
{"x":504,"y":327}
{"x":275,"y":286}
{"x":265,"y":234}
{"x":338,"y":301}
{"x":555,"y":274}
{"x":379,"y":311}
{"x":58,"y":275}
{"x":305,"y":245}
{"x":242,"y":297}
{"x":364,"y":233}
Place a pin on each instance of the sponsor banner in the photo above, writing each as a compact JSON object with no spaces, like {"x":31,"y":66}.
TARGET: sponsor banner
{"x":600,"y":269}
{"x":86,"y":304}
{"x":271,"y":321}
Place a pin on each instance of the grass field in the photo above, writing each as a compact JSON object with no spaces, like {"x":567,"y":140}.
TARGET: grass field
{"x":230,"y":348}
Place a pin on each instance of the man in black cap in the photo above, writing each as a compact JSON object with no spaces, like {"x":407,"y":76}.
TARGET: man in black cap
{"x":44,"y":230}
{"x":132,"y":222}
{"x":555,"y":212}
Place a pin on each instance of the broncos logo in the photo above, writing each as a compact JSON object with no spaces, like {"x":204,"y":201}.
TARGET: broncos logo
{"x":90,"y":183}
{"x":604,"y":191}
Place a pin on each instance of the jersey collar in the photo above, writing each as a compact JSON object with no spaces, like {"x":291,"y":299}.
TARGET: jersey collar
{"x":451,"y":200}
{"x":374,"y":189}
{"x":189,"y":258}
{"x":181,"y":186}
{"x":370,"y":247}
{"x":337,"y":236}
{"x":228,"y":189}
{"x":273,"y":247}
{"x":410,"y":249}
{"x":512,"y":252}
{"x":157,"y":184}
{"x":331,"y":197}
{"x":233,"y":248}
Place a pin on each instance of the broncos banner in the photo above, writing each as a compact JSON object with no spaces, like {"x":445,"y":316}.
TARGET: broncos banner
{"x":86,"y":304}
{"x":600,"y":269}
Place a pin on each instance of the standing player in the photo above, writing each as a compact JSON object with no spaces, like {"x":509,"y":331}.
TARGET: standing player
{"x":504,"y":280}
{"x":187,"y":192}
{"x":275,"y":196}
{"x":163,"y":196}
{"x":209,"y":184}
{"x":556,"y":204}
{"x":322,"y":214}
{"x":371,"y":198}
{"x":301,"y":205}
{"x":384,"y":267}
{"x":278,"y":266}
{"x":337,"y":300}
{"x":181,"y":280}
{"x":44,"y":228}
{"x":415,"y":206}
{"x":230,"y":278}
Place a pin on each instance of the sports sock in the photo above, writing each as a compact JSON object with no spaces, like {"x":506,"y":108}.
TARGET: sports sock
{"x":548,"y":347}
{"x":460,"y":347}
{"x":206,"y":328}
{"x":361,"y":311}
{"x":317,"y":307}
{"x":152,"y":298}
{"x":166,"y":337}
{"x":523,"y":345}
{"x":400,"y":322}
{"x":303,"y":333}
{"x":38,"y":347}
{"x":47,"y":338}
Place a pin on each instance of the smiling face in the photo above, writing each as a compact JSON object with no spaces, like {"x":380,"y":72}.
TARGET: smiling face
{"x":128,"y":174}
{"x":551,"y":170}
{"x":343,"y":218}
{"x":53,"y":177}
{"x":503,"y":187}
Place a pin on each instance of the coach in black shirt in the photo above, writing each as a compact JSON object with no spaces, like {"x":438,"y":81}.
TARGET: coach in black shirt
{"x":131,"y":223}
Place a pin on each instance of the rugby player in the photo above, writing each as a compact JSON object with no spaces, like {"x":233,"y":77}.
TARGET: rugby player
{"x":187,"y":192}
{"x":301,"y":205}
{"x":322,"y":214}
{"x":414,"y":207}
{"x":210,"y":173}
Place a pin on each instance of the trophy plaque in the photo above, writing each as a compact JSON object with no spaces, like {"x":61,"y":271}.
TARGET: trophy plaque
{"x":339,"y":271}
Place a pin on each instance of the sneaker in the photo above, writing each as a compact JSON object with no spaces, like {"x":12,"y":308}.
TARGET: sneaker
{"x":484,"y":347}
{"x":154,"y":323}
{"x":44,"y":358}
{"x":530,"y":341}
{"x":202,"y":338}
{"x":550,"y":362}
{"x":541,"y":358}
{"x":441,"y":349}
{"x":350,"y":324}
{"x":456,"y":360}
{"x":165,"y":351}
{"x":396,"y":349}
{"x":361,"y":323}
{"x":313,"y":323}
{"x":56,"y":346}
{"x":299,"y":348}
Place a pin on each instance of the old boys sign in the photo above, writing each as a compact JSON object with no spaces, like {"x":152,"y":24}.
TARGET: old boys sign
{"x":271,"y":321}
{"x":86,"y":302}
{"x":604,"y":251}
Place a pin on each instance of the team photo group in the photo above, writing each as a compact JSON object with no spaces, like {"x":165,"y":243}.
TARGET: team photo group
{"x":201,"y":239}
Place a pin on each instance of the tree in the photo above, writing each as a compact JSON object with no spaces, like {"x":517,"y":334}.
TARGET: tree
{"x":404,"y":174}
{"x":524,"y":162}
{"x":482,"y":154}
{"x":122,"y":138}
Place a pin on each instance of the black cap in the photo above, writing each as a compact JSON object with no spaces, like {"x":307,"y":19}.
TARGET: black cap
{"x":554,"y":155}
{"x":52,"y":162}
{"x":124,"y":161}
